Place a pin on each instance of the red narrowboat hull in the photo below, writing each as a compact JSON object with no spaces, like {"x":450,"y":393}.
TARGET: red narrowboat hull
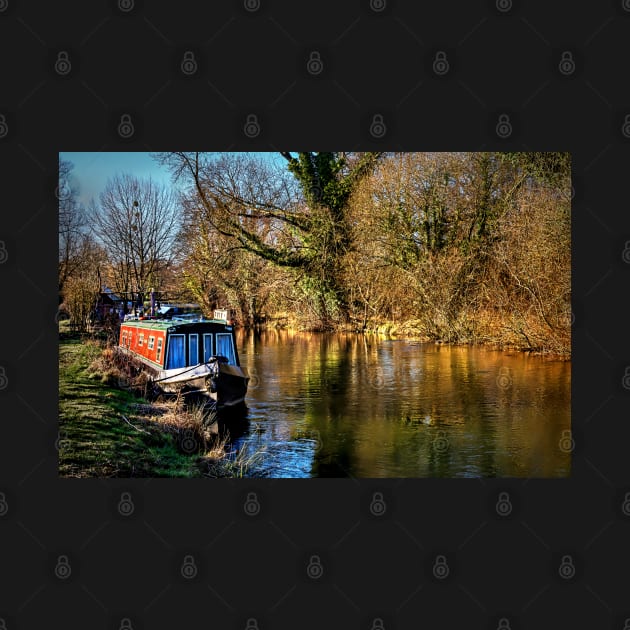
{"x":194,"y":355}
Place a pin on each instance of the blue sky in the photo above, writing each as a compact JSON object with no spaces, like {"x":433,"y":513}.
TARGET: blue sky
{"x":93,"y":169}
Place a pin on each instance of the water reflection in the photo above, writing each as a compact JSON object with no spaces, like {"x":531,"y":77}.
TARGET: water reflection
{"x":333,"y":405}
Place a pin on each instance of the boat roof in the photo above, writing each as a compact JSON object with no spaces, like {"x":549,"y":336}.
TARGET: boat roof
{"x":152,"y":324}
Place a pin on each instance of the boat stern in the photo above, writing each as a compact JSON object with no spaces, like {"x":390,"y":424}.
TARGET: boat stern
{"x":231,"y":385}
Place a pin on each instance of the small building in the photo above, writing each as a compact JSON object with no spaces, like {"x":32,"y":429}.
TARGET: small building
{"x":109,"y":304}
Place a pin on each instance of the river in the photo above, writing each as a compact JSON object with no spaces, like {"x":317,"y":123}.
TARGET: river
{"x":340,"y":405}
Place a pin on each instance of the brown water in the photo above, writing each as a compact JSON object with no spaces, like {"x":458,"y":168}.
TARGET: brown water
{"x":335,"y":405}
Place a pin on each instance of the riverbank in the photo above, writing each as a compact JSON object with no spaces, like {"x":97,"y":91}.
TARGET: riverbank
{"x":106,"y":429}
{"x":482,"y":330}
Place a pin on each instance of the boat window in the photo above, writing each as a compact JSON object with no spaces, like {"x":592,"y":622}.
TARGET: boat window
{"x":124,"y":338}
{"x":151,"y":342}
{"x":140,"y":339}
{"x":193,"y":349}
{"x":225,"y":347}
{"x":176,"y":352}
{"x":207,"y":346}
{"x":159,"y":350}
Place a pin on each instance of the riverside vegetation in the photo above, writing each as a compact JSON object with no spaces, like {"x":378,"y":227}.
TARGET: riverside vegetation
{"x":451,"y":247}
{"x":109,"y":425}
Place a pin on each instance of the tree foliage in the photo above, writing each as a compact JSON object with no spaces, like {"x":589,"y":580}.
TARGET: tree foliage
{"x":297,"y":223}
{"x":467,"y":246}
{"x":73,"y":238}
{"x":79,"y":256}
{"x":462,"y":247}
{"x":456,"y":246}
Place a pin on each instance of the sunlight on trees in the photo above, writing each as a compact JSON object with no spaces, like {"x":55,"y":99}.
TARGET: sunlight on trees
{"x":458,"y":247}
{"x":466,"y":247}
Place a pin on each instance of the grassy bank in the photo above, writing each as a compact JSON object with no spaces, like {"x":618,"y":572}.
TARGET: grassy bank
{"x":107,"y":430}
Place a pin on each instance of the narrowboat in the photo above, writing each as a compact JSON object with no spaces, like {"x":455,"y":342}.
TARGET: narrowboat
{"x":188,"y":354}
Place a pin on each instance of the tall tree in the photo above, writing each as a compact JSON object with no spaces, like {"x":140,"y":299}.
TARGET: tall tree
{"x":135,"y":220}
{"x":80,"y":257}
{"x":72,"y":224}
{"x":299,"y":223}
{"x":82,"y":287}
{"x":327,"y":181}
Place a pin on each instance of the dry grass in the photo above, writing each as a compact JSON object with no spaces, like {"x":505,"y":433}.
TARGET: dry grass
{"x":113,"y":429}
{"x":218,"y":461}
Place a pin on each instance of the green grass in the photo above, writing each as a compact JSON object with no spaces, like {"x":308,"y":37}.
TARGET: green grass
{"x":95,"y":440}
